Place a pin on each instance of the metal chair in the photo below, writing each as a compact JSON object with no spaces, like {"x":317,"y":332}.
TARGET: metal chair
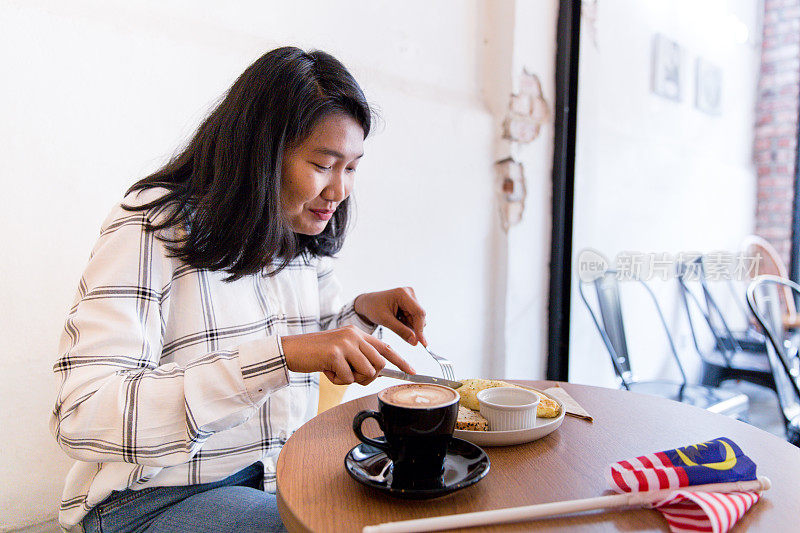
{"x":735,"y":354}
{"x":610,"y":324}
{"x":763,"y":298}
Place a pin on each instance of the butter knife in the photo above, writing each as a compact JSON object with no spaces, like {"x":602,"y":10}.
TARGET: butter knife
{"x":418,"y":378}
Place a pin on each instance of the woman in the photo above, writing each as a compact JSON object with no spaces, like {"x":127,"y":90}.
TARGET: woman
{"x":209,"y":300}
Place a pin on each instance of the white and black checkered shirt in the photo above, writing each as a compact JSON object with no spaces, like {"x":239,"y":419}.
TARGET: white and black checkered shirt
{"x":170,"y":375}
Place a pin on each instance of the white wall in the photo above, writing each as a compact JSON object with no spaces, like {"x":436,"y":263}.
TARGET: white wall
{"x":654,"y":175}
{"x":99,"y":93}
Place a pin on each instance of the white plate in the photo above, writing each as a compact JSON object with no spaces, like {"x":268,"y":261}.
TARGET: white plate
{"x":544,"y":426}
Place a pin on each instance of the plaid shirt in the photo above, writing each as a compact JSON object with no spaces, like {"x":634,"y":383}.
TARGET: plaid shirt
{"x":170,"y":375}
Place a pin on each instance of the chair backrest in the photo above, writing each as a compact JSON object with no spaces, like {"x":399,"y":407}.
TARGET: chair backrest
{"x":330,"y":395}
{"x":610,"y":323}
{"x":770,"y":263}
{"x":694,"y":271}
{"x":608,"y":299}
{"x":689,"y":301}
{"x":764,"y":300}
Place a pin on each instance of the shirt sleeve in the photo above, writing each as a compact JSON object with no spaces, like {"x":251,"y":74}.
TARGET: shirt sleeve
{"x":116,"y":401}
{"x":332,"y":313}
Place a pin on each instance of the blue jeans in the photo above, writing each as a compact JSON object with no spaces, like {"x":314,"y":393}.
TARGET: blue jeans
{"x":234,"y":504}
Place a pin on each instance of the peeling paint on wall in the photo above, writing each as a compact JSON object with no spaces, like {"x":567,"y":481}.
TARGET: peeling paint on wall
{"x":527,"y":112}
{"x":512,"y":191}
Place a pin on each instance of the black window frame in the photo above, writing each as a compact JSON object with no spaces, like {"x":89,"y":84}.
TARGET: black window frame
{"x":565,"y":120}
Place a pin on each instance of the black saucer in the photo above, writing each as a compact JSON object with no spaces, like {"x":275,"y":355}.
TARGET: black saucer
{"x":464,"y":465}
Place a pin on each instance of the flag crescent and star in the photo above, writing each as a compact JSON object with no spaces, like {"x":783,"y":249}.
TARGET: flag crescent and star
{"x":726,"y":464}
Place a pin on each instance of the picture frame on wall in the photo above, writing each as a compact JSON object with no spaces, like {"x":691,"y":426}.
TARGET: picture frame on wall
{"x":708,"y":87}
{"x":666,"y":68}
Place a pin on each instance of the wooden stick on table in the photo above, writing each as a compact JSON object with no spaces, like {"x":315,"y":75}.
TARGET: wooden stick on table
{"x":530,"y":512}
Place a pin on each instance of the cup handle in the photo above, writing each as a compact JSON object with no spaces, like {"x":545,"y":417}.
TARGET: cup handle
{"x":359,"y":420}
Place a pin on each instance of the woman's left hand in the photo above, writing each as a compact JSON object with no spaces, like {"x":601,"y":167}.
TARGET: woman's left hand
{"x":397,"y":309}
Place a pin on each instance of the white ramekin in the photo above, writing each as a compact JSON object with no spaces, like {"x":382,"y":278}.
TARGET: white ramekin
{"x":508,"y":408}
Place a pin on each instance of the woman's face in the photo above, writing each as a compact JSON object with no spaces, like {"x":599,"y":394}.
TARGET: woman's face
{"x":318,"y":174}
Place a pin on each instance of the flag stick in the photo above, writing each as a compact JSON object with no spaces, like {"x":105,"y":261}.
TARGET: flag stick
{"x":529,"y":512}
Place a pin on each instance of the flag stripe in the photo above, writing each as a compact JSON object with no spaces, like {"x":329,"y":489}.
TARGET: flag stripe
{"x":619,"y":480}
{"x":663,"y":479}
{"x":725,"y":503}
{"x":641,"y":480}
{"x":664,"y":459}
{"x":683,"y":479}
{"x":717,"y":517}
{"x":674,"y":479}
{"x":686,"y":523}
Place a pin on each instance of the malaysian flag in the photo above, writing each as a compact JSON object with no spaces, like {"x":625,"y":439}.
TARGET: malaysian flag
{"x":716,"y":461}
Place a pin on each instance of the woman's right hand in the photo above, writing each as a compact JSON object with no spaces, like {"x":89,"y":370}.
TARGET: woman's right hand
{"x":345,"y":355}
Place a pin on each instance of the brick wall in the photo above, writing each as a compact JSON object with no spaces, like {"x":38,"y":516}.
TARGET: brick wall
{"x":776,"y":122}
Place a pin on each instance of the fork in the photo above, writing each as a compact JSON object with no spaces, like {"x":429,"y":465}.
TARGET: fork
{"x":445,"y":364}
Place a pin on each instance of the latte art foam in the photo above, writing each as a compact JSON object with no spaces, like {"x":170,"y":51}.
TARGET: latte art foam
{"x":418,"y":395}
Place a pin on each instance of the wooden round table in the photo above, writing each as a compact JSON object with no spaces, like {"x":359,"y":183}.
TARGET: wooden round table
{"x":315,"y":493}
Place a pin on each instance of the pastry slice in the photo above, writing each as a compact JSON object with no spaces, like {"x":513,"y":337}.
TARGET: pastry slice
{"x":471,"y":420}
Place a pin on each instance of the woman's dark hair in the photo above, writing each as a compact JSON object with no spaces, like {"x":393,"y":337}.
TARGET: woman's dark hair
{"x":224,"y":187}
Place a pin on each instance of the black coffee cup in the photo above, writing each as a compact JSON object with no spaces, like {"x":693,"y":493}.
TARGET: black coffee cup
{"x":417,"y":420}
